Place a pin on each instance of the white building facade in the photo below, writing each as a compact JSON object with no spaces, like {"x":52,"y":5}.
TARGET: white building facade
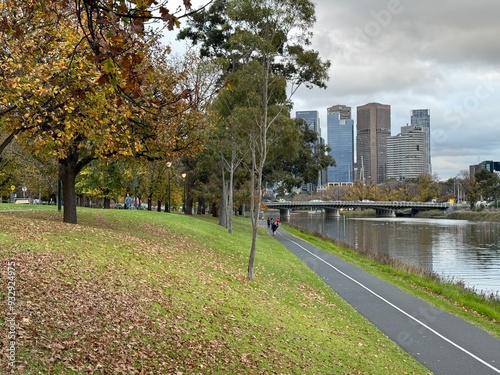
{"x":407,"y":154}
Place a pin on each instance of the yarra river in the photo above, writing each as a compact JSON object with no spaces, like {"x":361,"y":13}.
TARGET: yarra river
{"x":457,"y":250}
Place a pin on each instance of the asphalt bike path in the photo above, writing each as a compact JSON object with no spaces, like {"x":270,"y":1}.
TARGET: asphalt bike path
{"x":443,"y":343}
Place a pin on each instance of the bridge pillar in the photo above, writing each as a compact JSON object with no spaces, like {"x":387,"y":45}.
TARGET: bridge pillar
{"x":385,"y":212}
{"x":285,"y":213}
{"x":332,"y":212}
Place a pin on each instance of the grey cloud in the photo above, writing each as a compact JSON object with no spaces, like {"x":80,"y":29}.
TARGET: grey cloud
{"x":442,"y":31}
{"x":443,"y":55}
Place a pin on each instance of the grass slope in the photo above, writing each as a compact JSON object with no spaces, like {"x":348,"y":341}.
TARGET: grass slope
{"x":154,"y":293}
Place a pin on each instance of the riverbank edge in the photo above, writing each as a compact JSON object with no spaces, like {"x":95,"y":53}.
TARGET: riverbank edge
{"x":451,"y":296}
{"x":479,"y":214}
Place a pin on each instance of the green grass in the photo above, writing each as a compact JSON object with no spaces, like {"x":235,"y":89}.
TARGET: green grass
{"x":484,"y":311}
{"x":147,"y":292}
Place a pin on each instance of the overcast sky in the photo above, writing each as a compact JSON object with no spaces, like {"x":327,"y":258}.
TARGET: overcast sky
{"x":443,"y":55}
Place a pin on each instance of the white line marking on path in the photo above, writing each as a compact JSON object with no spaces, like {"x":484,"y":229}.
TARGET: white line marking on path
{"x":400,"y":310}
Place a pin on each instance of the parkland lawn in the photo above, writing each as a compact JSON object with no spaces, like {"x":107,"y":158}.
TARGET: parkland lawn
{"x":155,"y":293}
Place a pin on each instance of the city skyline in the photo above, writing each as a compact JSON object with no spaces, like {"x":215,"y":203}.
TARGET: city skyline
{"x":405,"y":155}
{"x":437,"y":55}
{"x":441,"y":56}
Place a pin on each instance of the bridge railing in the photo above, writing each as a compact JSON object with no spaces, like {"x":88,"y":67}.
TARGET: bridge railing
{"x":353,"y":204}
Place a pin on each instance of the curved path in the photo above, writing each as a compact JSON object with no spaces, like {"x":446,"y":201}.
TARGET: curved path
{"x":442,"y":342}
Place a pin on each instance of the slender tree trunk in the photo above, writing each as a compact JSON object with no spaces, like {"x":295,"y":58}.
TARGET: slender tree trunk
{"x":200,"y":209}
{"x":259,"y":155}
{"x":230,"y":210}
{"x":251,"y":259}
{"x":158,"y":206}
{"x":223,"y":203}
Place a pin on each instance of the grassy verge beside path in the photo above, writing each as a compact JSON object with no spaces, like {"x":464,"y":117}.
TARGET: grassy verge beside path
{"x":155,"y":293}
{"x":453,"y":298}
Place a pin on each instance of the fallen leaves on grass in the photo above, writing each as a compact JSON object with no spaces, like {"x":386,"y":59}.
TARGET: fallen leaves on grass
{"x":89,"y":325}
{"x":80,"y":311}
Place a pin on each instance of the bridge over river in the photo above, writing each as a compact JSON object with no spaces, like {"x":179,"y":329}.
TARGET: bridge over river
{"x":382,"y":208}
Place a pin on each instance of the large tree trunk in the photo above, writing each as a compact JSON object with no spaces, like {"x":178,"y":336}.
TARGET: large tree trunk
{"x":67,"y":173}
{"x":69,"y":168}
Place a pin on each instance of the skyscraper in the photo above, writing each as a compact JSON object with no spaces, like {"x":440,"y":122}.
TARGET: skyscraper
{"x":341,"y":142}
{"x":311,"y":118}
{"x":373,"y":128}
{"x":406,"y":153}
{"x":422,"y":118}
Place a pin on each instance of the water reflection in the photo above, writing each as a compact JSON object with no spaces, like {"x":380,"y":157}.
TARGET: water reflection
{"x":456,"y":249}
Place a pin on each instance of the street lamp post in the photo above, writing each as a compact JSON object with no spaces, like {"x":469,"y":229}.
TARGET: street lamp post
{"x":136,"y":199}
{"x":496,"y":199}
{"x":167,"y":207}
{"x":184,"y":194}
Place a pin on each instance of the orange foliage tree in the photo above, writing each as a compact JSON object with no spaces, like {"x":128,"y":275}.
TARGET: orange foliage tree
{"x":60,"y":103}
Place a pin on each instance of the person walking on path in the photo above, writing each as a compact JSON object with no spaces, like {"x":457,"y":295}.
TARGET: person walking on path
{"x":274,"y":226}
{"x":128,"y":202}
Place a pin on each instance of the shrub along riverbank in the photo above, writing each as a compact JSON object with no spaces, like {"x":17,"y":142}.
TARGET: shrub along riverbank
{"x":485,"y":214}
{"x":480,"y":214}
{"x":147,"y":292}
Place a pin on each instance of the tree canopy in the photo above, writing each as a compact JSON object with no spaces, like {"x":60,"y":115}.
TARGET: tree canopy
{"x":65,"y":102}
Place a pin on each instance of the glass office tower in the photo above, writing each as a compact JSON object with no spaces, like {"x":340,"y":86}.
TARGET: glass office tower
{"x":340,"y":129}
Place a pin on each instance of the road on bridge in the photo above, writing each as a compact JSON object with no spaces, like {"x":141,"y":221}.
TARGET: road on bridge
{"x":442,"y":342}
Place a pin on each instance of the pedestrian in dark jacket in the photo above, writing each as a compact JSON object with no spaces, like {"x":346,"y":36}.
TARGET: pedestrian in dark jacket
{"x":274,"y":226}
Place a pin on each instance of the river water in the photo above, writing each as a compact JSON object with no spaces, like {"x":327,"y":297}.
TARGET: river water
{"x":457,"y":250}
